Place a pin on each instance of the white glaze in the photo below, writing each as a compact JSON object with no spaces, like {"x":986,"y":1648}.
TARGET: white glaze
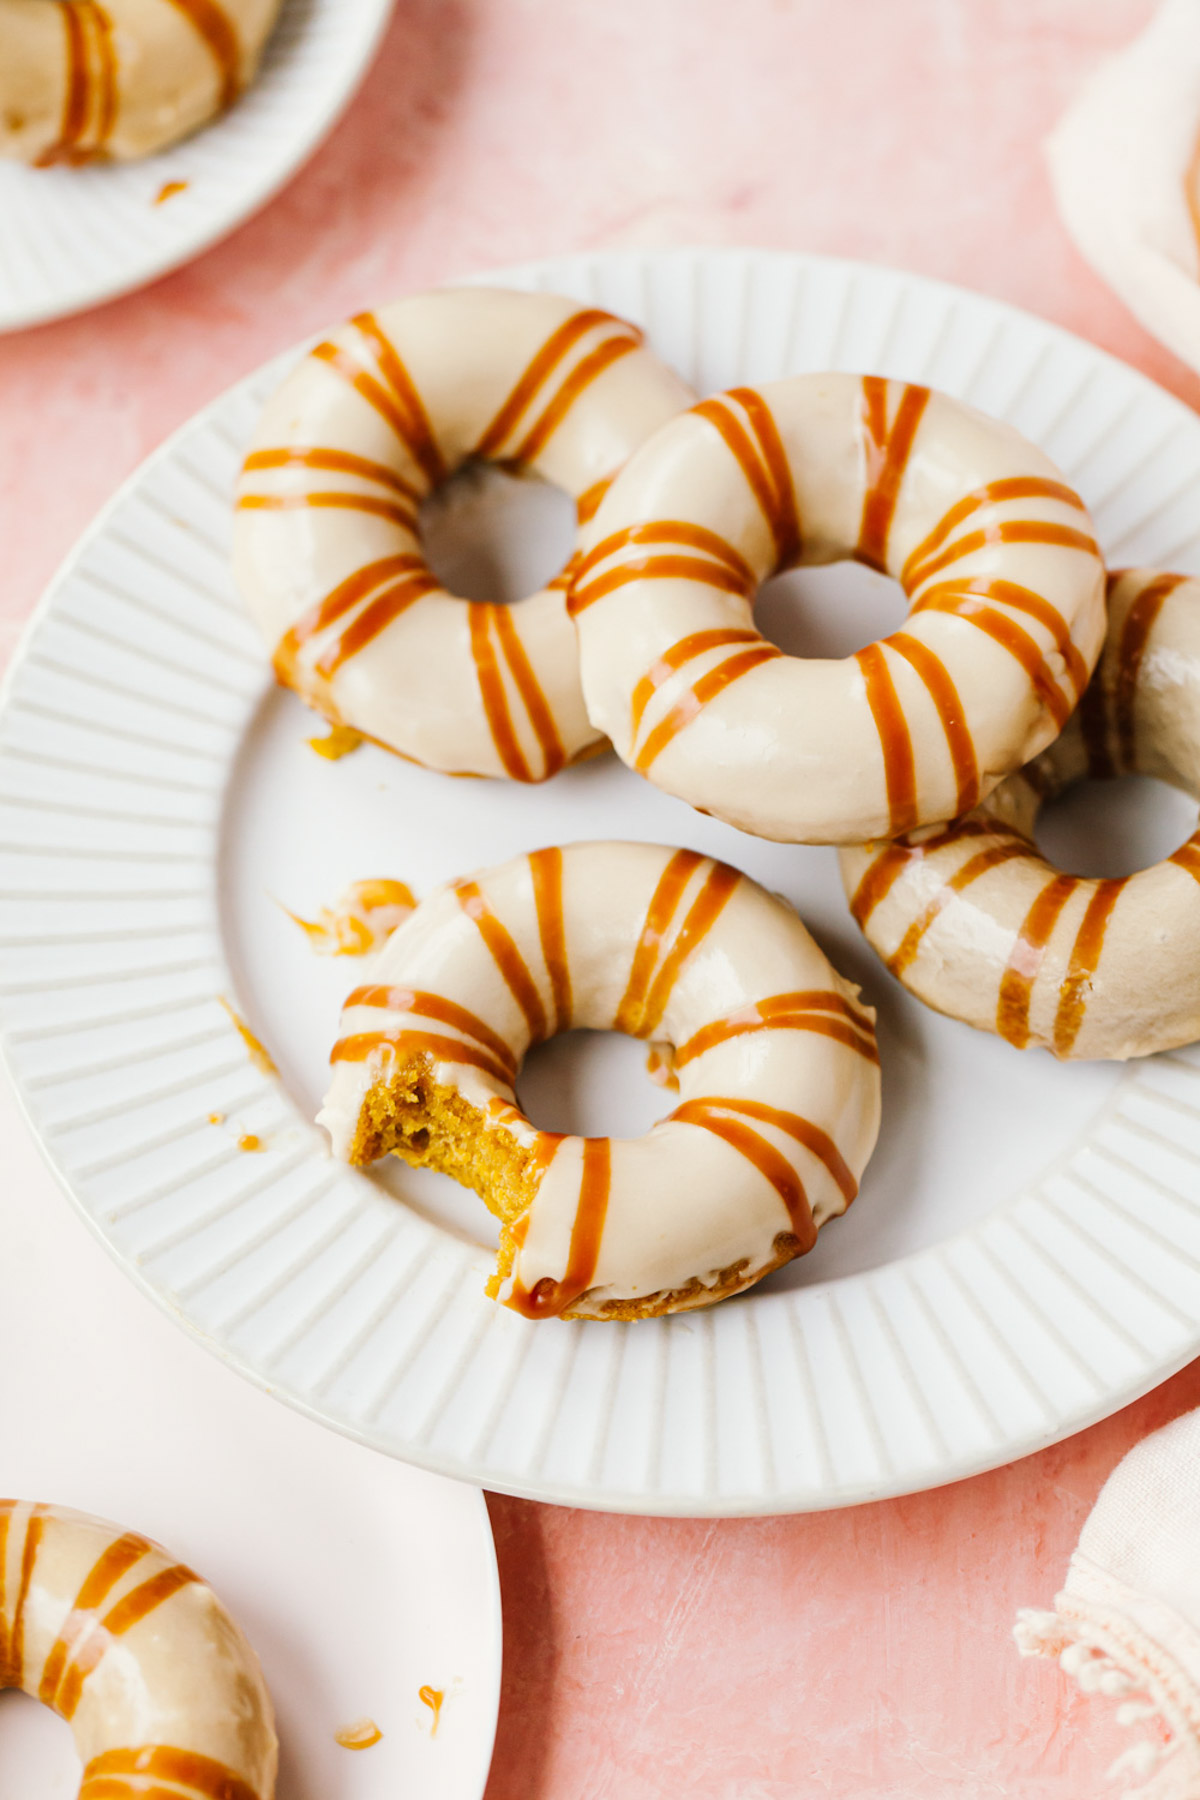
{"x":1105,"y":969}
{"x":794,"y":749}
{"x":683,"y":1203}
{"x":166,"y":79}
{"x":420,"y":685}
{"x":137,"y":1653}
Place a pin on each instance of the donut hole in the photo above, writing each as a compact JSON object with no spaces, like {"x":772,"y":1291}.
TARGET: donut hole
{"x":37,"y":1748}
{"x":830,"y":610}
{"x":491,"y":535}
{"x":1110,"y":828}
{"x":591,"y":1084}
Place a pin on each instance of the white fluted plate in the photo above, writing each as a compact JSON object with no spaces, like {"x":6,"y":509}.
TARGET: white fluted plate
{"x":1024,"y":1257}
{"x":73,"y":238}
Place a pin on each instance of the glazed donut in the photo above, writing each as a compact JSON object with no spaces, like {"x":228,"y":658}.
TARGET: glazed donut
{"x":81,"y":81}
{"x":162,"y":1691}
{"x":975,"y":921}
{"x":660,"y":944}
{"x":994,"y":552}
{"x":327,"y":544}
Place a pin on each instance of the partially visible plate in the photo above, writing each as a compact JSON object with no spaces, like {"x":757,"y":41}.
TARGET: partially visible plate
{"x":72,"y":238}
{"x":358,"y":1581}
{"x":1024,"y":1256}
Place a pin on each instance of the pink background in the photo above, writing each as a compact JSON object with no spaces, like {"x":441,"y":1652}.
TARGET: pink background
{"x":857,"y":1654}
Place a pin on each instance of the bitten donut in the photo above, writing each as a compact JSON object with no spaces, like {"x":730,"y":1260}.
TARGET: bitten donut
{"x":776,"y":1060}
{"x":80,"y":81}
{"x":993,"y":550}
{"x":327,"y":544}
{"x":978,"y":924}
{"x":162,"y":1691}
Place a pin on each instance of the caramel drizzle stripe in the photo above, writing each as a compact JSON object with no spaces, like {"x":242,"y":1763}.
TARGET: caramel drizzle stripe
{"x":401,"y":408}
{"x":106,"y":105}
{"x":6,"y":1512}
{"x":760,"y":1152}
{"x":654,"y":568}
{"x":1085,"y":959}
{"x":534,"y":378}
{"x":508,"y":959}
{"x":778,"y":509}
{"x":359,"y":1046}
{"x":699,"y":920}
{"x":671,"y":531}
{"x":548,"y":1299}
{"x":588,"y":503}
{"x":77,"y":91}
{"x":895,"y":743}
{"x":1023,"y":600}
{"x":685,"y":651}
{"x":787,"y":530}
{"x":698,"y":697}
{"x":1094,"y":708}
{"x":333,"y":499}
{"x":804,"y":1131}
{"x":375,"y":617}
{"x":949,"y":707}
{"x":214,"y":25}
{"x":970,"y":871}
{"x":491,"y":691}
{"x":1135,"y":633}
{"x":334,"y":606}
{"x":336,"y":462}
{"x":208,"y":1779}
{"x":664,"y":903}
{"x":587,"y":370}
{"x":98,"y":1583}
{"x":1014,"y":487}
{"x":546,"y":870}
{"x":1028,"y":952}
{"x":1010,"y":636}
{"x":1187,"y":857}
{"x":530,"y":689}
{"x":1008,"y":531}
{"x":887,"y":454}
{"x":34,"y":1530}
{"x":814,"y":1017}
{"x":880,"y":877}
{"x":129,"y":1611}
{"x":434,"y":1006}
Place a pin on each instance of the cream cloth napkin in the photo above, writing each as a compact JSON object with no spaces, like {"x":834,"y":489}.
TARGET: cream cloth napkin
{"x":1127,"y":1623}
{"x":1125,"y":164}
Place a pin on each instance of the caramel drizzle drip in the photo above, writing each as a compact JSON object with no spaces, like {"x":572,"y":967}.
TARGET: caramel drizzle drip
{"x":1104,"y":711}
{"x":344,"y":598}
{"x":764,"y":463}
{"x":390,"y":390}
{"x":995,"y":493}
{"x":770,"y":1162}
{"x":89,"y":98}
{"x":508,"y":959}
{"x":549,"y":1299}
{"x":488,"y":1049}
{"x":400,"y":509}
{"x":886,"y":453}
{"x":620,"y":339}
{"x":546,"y":870}
{"x":966,"y":600}
{"x":816,"y":1010}
{"x":720,"y":565}
{"x":653,"y":975}
{"x":122,"y":1774}
{"x":219,"y":34}
{"x":485,"y":620}
{"x":110,"y":1566}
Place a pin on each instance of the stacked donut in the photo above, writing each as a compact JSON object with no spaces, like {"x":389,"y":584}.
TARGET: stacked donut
{"x":924,"y":756}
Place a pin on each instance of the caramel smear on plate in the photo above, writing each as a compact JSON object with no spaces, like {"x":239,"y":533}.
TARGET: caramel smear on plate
{"x":360,"y":1736}
{"x":168,"y":191}
{"x":342,"y":739}
{"x":260,"y":1056}
{"x":358,"y":922}
{"x":432,"y":1698}
{"x":216,"y":1118}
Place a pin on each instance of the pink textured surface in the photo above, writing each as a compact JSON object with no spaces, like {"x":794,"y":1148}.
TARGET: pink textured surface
{"x":862,"y":1654}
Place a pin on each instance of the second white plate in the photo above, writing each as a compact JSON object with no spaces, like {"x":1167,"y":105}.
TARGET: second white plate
{"x":73,"y":238}
{"x":1023,"y":1257}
